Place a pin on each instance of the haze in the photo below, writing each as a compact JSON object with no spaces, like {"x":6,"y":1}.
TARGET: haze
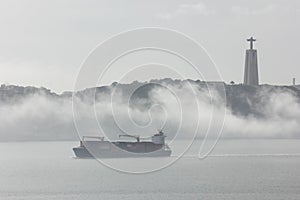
{"x":43,"y":43}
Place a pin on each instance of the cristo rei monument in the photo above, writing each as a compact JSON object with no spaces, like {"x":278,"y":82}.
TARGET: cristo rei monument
{"x":251,"y":66}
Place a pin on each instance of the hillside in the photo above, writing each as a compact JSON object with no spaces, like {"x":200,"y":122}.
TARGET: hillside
{"x":31,"y":113}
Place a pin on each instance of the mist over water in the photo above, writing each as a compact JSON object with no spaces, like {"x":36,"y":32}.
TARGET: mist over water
{"x":267,"y":112}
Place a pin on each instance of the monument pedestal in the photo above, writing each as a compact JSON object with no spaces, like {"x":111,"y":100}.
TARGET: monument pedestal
{"x":251,"y":65}
{"x":251,"y":68}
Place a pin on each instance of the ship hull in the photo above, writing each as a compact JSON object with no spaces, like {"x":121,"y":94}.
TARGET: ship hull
{"x":120,"y":150}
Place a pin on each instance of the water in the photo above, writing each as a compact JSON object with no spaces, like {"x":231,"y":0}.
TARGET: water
{"x":238,"y":169}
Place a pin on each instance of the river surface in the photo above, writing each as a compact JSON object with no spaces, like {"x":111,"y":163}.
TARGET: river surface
{"x":236,"y":169}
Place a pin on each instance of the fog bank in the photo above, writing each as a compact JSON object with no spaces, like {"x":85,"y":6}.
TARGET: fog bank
{"x":183,"y":109}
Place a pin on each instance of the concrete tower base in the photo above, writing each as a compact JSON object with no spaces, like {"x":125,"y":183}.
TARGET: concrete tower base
{"x":251,"y":68}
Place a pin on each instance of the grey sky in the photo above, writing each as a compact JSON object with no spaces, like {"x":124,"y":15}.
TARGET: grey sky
{"x":43,"y":43}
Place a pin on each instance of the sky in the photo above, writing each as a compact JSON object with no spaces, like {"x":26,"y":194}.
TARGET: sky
{"x":44,"y":43}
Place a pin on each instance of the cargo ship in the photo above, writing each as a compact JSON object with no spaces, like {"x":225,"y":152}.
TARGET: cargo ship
{"x":98,"y":147}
